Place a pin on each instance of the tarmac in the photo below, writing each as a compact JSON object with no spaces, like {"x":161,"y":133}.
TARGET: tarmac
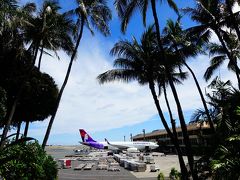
{"x":164,"y":163}
{"x":67,"y":174}
{"x":93,"y":174}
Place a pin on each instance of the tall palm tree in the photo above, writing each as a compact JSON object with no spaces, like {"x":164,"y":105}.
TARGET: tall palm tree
{"x":137,"y":61}
{"x":125,"y":11}
{"x":11,"y":24}
{"x":49,"y":27}
{"x":185,"y":46}
{"x":89,"y":12}
{"x":50,"y":30}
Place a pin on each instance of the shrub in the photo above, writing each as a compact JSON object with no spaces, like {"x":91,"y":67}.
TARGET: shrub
{"x":174,"y":174}
{"x":160,"y":176}
{"x":26,"y":161}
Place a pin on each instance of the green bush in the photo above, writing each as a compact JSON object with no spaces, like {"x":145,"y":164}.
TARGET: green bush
{"x":27,"y":161}
{"x":160,"y":176}
{"x":174,"y":174}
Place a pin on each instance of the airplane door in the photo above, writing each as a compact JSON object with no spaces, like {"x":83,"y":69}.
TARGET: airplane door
{"x":105,"y":147}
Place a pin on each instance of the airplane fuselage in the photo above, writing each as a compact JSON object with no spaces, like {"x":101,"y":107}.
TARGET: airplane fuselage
{"x":121,"y":145}
{"x":140,"y":145}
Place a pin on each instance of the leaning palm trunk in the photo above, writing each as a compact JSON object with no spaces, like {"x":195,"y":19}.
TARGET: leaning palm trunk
{"x":26,"y":129}
{"x":18,"y":130}
{"x":173,"y":139}
{"x":9,"y":121}
{"x":184,"y":129}
{"x":202,"y":97}
{"x":199,"y":90}
{"x":179,"y":108}
{"x":40,"y":57}
{"x":170,"y":113}
{"x":176,"y":142}
{"x":63,"y":86}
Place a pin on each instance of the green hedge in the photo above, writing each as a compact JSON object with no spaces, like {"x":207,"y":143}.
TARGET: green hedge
{"x":27,"y":161}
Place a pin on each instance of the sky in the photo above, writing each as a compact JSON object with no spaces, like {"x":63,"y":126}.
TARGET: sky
{"x":113,"y":110}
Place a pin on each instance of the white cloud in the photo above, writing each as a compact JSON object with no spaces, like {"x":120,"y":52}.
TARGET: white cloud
{"x":86,"y":104}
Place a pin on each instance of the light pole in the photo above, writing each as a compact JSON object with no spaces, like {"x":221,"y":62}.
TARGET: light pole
{"x":144,"y":134}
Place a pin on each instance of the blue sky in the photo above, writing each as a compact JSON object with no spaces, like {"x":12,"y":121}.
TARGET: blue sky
{"x":116,"y":109}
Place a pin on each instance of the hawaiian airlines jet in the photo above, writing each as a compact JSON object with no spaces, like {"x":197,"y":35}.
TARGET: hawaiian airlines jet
{"x":122,"y":145}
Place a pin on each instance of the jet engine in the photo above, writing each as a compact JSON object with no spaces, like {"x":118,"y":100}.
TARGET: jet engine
{"x":132,"y":150}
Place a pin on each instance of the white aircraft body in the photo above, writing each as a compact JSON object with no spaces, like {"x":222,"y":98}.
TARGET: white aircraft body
{"x":130,"y":146}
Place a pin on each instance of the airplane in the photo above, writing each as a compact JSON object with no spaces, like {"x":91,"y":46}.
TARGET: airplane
{"x":122,"y":145}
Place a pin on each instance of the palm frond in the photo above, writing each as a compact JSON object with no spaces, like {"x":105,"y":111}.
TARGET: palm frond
{"x":215,"y":63}
{"x":125,"y":18}
{"x":143,"y":5}
{"x":199,"y":115}
{"x":117,"y":75}
{"x":215,"y":49}
{"x":173,"y":6}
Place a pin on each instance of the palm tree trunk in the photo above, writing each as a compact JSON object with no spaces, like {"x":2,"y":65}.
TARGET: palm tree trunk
{"x":202,"y":98}
{"x":26,"y":129}
{"x":40,"y":57}
{"x":179,"y":108}
{"x":9,"y":121}
{"x":184,"y":130}
{"x":173,"y":139}
{"x":199,"y":90}
{"x":18,"y":130}
{"x":228,"y":54}
{"x":238,"y":78}
{"x":178,"y":149}
{"x":233,"y":19}
{"x":35,"y":53}
{"x":63,"y":86}
{"x":170,"y":113}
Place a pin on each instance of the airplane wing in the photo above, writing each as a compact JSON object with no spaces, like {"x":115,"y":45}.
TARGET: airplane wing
{"x":117,"y":145}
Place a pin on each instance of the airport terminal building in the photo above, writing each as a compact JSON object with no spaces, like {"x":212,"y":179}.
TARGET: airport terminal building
{"x":199,"y":135}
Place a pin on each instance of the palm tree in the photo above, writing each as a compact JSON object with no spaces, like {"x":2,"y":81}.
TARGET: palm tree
{"x":88,"y":12}
{"x":12,"y":20}
{"x":225,"y":100}
{"x":185,"y":46}
{"x":125,"y":10}
{"x":50,"y":30}
{"x":210,"y":16}
{"x":219,"y":56}
{"x":138,"y":62}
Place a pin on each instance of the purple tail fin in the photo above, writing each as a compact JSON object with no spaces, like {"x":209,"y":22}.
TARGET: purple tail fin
{"x":85,"y":136}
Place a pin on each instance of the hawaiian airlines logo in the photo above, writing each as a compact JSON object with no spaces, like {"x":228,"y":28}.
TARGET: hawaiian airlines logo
{"x":85,"y":137}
